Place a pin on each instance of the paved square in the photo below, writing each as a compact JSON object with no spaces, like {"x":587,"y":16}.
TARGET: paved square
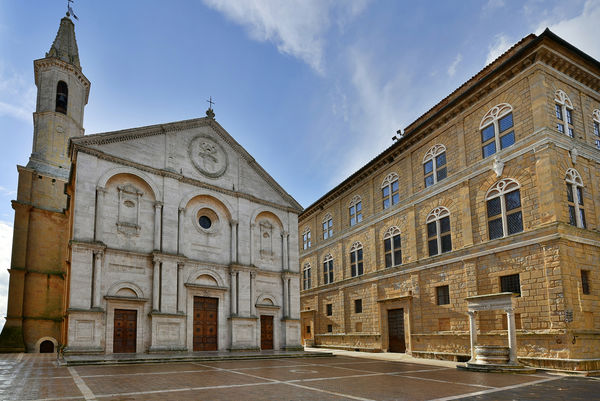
{"x":38,"y":377}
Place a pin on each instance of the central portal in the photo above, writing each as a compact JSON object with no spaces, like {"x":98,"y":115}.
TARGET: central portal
{"x":396,"y":330}
{"x":205,"y":323}
{"x":266,"y":332}
{"x":125,"y":331}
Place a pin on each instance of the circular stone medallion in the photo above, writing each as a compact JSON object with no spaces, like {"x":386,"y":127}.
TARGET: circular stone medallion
{"x":208,"y":156}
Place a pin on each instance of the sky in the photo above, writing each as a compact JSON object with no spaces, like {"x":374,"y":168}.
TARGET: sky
{"x":312,"y":89}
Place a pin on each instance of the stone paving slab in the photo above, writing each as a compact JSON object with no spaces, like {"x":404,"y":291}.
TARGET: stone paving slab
{"x":38,"y":377}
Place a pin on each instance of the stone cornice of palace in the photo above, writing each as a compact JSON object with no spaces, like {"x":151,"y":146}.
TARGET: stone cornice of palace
{"x":82,"y":143}
{"x":53,"y":61}
{"x":530,"y":143}
{"x":471,"y":94}
{"x":460,"y":255}
{"x":181,"y":178}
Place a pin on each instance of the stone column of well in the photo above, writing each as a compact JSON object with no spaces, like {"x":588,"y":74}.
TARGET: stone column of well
{"x":97,"y":296}
{"x":180,"y":288}
{"x":252,"y":289}
{"x":286,"y":260}
{"x":234,"y":241}
{"x":180,"y":231}
{"x":156,"y":285}
{"x":473,"y":333}
{"x":512,"y":335}
{"x":99,"y":213}
{"x":157,"y":222}
{"x":233,"y":289}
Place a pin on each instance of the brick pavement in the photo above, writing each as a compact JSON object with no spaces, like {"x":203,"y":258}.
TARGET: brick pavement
{"x":38,"y":377}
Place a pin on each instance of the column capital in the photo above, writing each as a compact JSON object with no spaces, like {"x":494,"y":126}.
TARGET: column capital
{"x":252,"y":275}
{"x":181,"y":210}
{"x":158,"y":204}
{"x":472,"y":313}
{"x":100,"y":189}
{"x":233,"y":223}
{"x":98,"y":254}
{"x":509,"y":310}
{"x":285,"y":234}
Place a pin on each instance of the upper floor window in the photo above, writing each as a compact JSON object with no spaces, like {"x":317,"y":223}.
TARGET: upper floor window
{"x":575,"y":198}
{"x":504,"y":209}
{"x":510,"y":283}
{"x":328,"y":269}
{"x":327,"y":226}
{"x":585,"y":282}
{"x":389,"y":190}
{"x":443,"y":295}
{"x":306,"y":280}
{"x":356,"y":259}
{"x":391,"y":247}
{"x":596,"y":116}
{"x":497,"y":129}
{"x":434,"y":165}
{"x":355,"y":210}
{"x":306,"y":243}
{"x":564,"y":113}
{"x":438,"y":231}
{"x":62,"y":96}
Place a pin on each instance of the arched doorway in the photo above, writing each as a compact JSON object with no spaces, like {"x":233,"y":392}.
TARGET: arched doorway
{"x":46,"y":347}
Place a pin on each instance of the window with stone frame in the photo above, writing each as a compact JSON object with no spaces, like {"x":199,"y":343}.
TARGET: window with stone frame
{"x":330,"y":328}
{"x":355,"y":209}
{"x":329,"y":309}
{"x":306,"y":279}
{"x":443,"y":295}
{"x":563,"y":109}
{"x":356,"y":259}
{"x":328,"y":269}
{"x":575,"y":198}
{"x":434,"y":165}
{"x":585,"y":282}
{"x":306,"y":241}
{"x":504,"y":213}
{"x":392,"y":247}
{"x":596,"y":122}
{"x":390,"y":191}
{"x":358,"y":306}
{"x":62,"y":97}
{"x":497,"y":129}
{"x":327,"y":226}
{"x":510,"y":283}
{"x":438,"y":231}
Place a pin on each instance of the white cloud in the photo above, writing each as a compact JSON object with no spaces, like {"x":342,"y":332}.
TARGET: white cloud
{"x":579,"y":30}
{"x":500,"y":45}
{"x":6,"y":232}
{"x":492,"y":5}
{"x":17,"y":96}
{"x":452,"y":67}
{"x":296,"y":27}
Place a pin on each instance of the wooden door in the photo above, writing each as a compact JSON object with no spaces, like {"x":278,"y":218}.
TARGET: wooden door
{"x":396,"y":330}
{"x":125,"y":331}
{"x":266,"y":332}
{"x":205,"y":323}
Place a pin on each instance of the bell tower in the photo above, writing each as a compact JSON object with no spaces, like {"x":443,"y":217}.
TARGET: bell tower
{"x":62,"y":93}
{"x":35,"y":320}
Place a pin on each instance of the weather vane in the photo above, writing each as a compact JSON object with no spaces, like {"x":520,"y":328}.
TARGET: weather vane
{"x":70,"y":10}
{"x":210,"y":112}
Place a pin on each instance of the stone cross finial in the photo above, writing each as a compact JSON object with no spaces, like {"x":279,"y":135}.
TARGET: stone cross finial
{"x":210,"y":112}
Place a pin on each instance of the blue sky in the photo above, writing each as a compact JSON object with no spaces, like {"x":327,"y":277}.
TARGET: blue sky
{"x":313,"y":89}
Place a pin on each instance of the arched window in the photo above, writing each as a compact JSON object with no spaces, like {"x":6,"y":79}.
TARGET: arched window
{"x":327,"y":226}
{"x":356,"y":259}
{"x":497,"y":129}
{"x":389,"y":190}
{"x":306,"y":242}
{"x":62,"y":97}
{"x":564,"y":113}
{"x":504,"y":209}
{"x":596,"y":118}
{"x":575,"y":198}
{"x":392,"y":247}
{"x":355,"y":209}
{"x":438,"y":231}
{"x":434,"y":165}
{"x":306,"y":282}
{"x":328,"y":269}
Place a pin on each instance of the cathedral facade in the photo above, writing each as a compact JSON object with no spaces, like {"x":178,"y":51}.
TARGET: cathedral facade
{"x":161,"y":238}
{"x":496,"y":189}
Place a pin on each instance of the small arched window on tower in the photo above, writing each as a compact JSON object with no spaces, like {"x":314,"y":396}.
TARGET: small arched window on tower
{"x":62,"y":96}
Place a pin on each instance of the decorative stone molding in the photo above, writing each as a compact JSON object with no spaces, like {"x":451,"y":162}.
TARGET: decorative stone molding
{"x":208,"y":156}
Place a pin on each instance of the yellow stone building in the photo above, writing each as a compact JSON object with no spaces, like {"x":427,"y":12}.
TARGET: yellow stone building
{"x":495,"y":189}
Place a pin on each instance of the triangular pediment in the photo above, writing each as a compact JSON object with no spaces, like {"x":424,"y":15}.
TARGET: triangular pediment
{"x":197,"y":150}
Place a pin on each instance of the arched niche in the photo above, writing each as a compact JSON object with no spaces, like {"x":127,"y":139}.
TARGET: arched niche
{"x":125,"y":289}
{"x":205,"y":278}
{"x":41,"y":345}
{"x":110,"y":174}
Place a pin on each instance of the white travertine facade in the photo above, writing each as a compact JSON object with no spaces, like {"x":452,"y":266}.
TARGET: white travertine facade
{"x":165,"y":214}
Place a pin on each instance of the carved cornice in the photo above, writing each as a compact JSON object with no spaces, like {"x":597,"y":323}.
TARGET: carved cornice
{"x":43,"y":63}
